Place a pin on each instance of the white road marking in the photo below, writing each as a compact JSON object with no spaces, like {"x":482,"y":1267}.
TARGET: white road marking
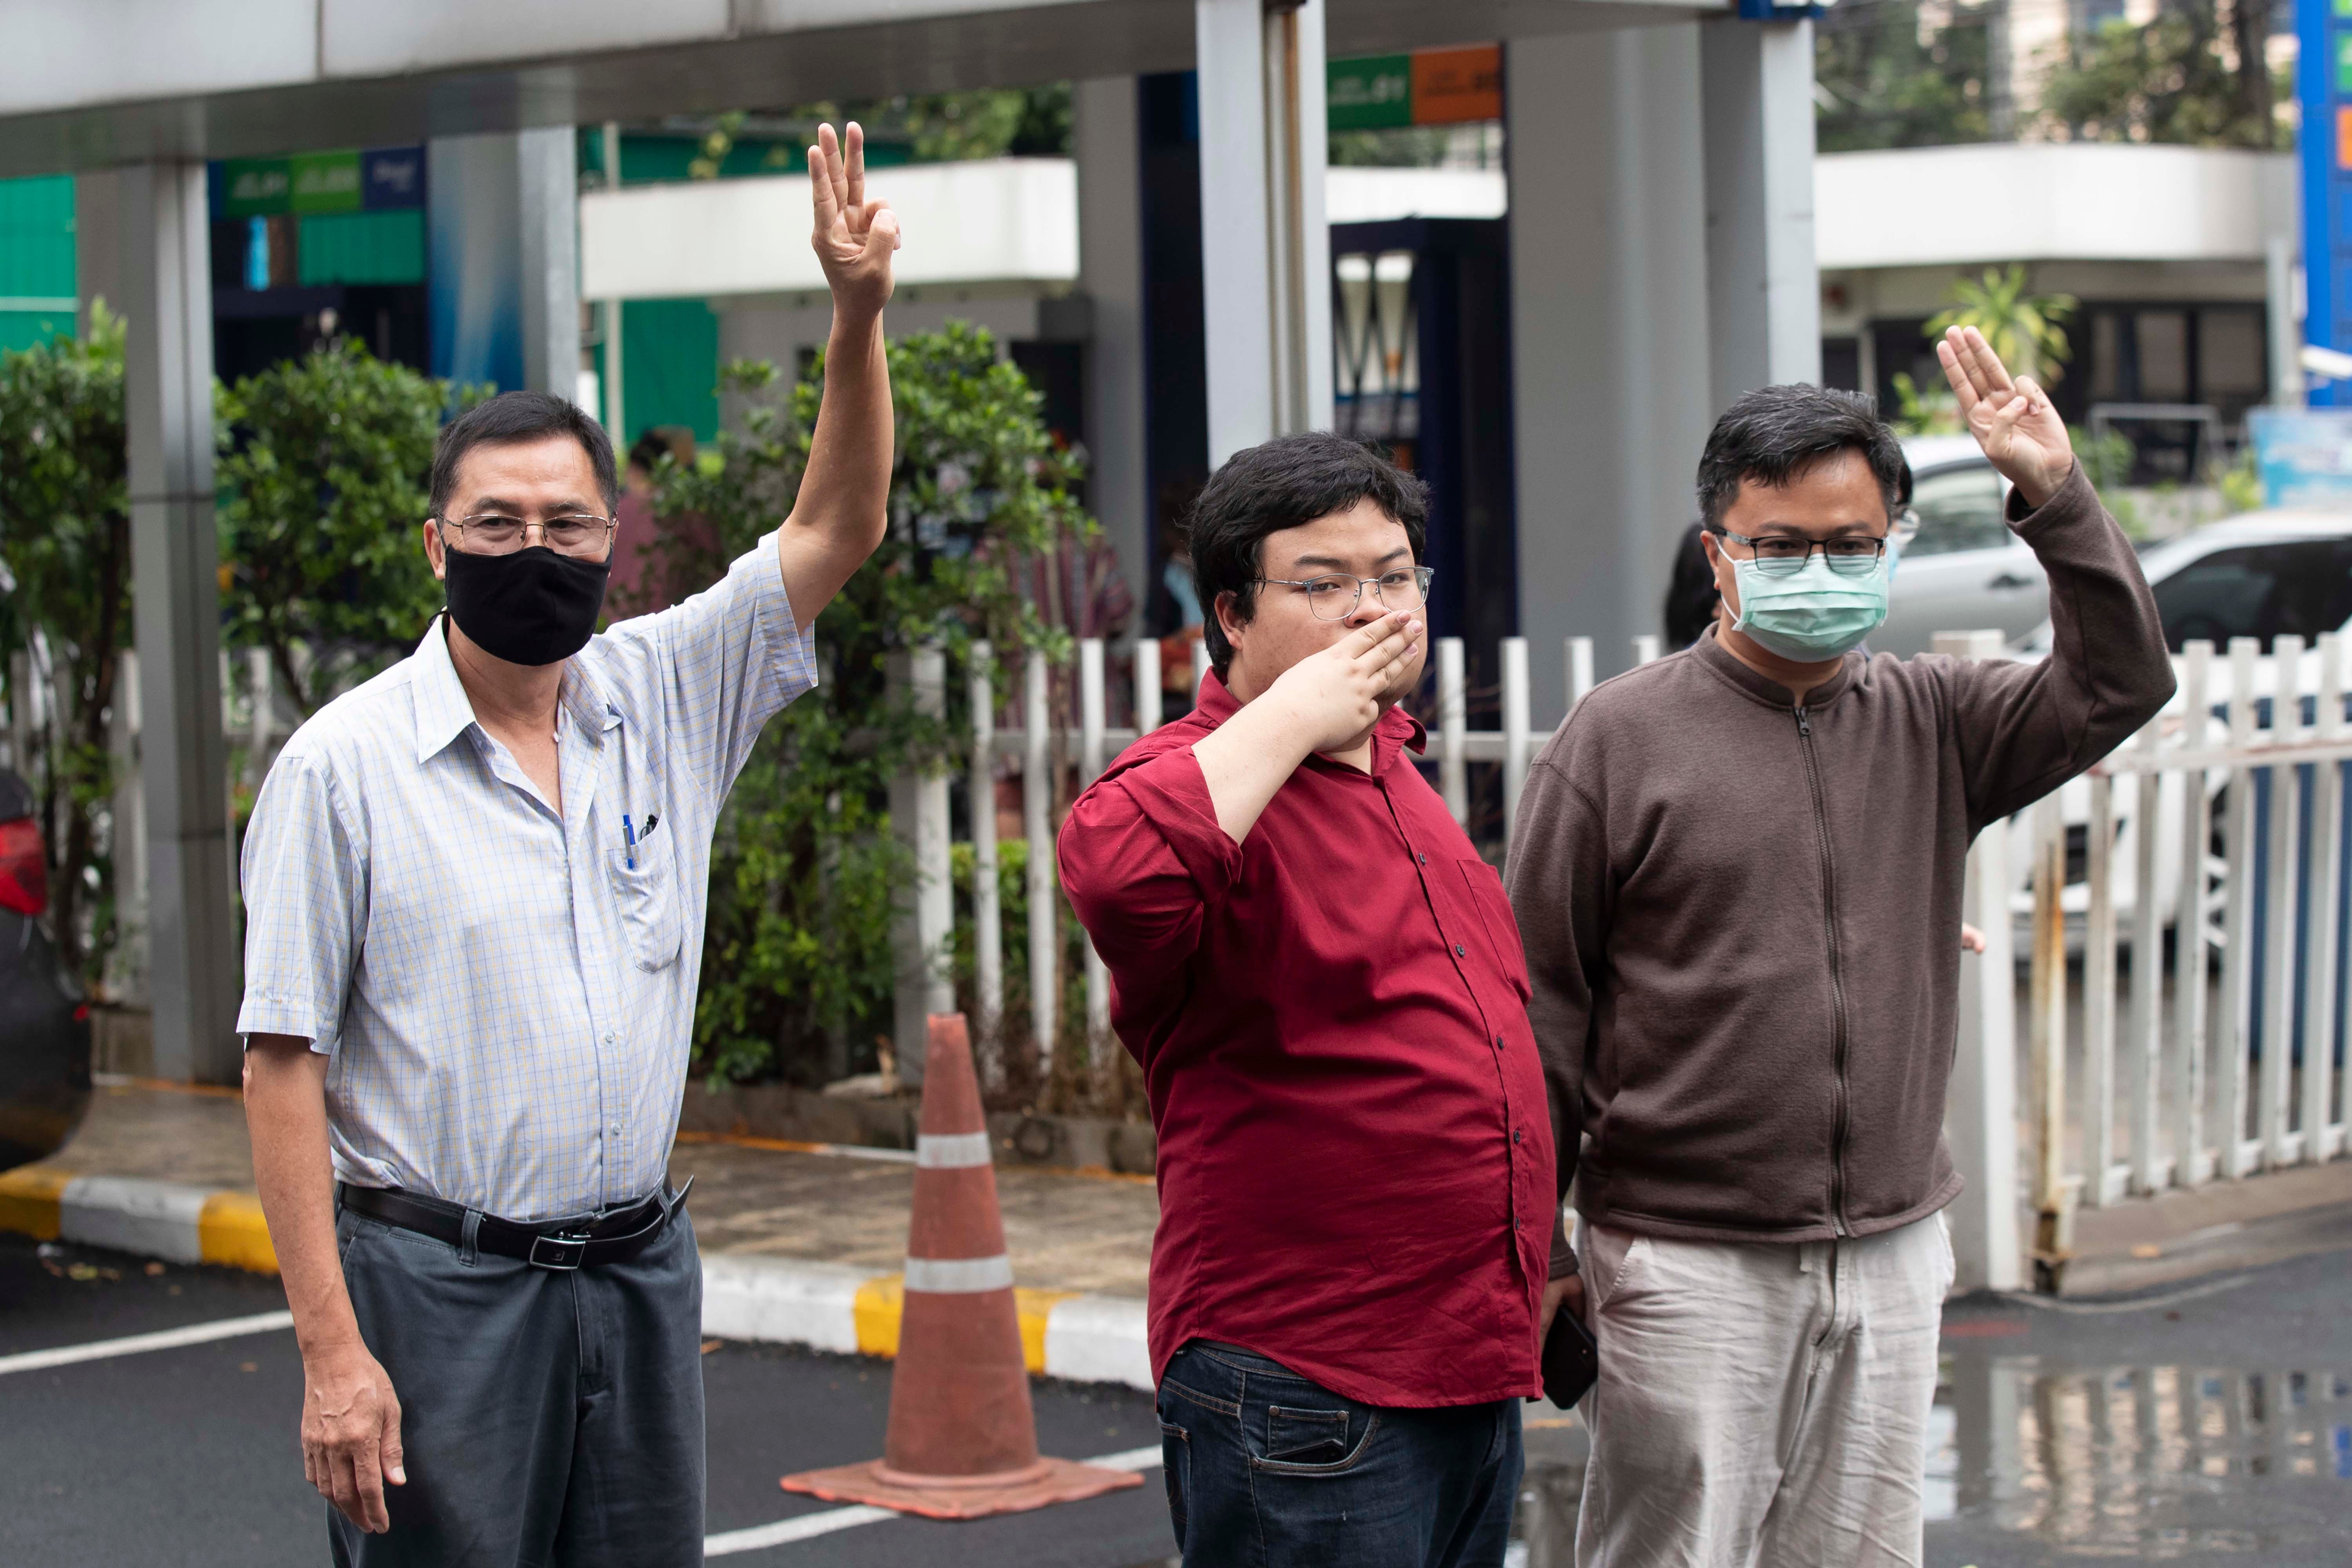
{"x":784,"y":1531}
{"x":136,"y":1344}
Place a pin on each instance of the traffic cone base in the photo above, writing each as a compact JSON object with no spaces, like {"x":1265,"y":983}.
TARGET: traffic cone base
{"x":962,"y":1440}
{"x":1040,"y":1485}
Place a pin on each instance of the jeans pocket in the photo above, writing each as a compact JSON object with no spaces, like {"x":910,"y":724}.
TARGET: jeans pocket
{"x":1306,"y":1436}
{"x":1176,"y":1464}
{"x":1329,"y":1460}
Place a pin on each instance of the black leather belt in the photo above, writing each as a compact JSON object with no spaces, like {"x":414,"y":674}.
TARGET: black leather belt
{"x":562,"y":1244}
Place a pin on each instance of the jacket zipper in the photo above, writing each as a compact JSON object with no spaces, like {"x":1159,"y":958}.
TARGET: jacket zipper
{"x":1837,"y":982}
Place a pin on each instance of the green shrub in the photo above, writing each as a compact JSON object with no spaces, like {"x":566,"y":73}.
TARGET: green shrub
{"x":797,"y":963}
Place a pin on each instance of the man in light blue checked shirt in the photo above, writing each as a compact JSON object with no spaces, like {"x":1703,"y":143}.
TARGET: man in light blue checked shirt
{"x":475,"y":890}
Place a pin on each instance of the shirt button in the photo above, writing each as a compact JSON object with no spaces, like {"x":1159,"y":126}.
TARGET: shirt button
{"x":1498,"y":1041}
{"x":608,"y":1040}
{"x":1422,"y":858}
{"x":1459,"y":951}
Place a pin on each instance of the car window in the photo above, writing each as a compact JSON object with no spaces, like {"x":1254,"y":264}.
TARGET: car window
{"x":2258,"y":591}
{"x":1959,"y":509}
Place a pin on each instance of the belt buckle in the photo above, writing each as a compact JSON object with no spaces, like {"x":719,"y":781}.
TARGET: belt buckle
{"x":571,"y":1251}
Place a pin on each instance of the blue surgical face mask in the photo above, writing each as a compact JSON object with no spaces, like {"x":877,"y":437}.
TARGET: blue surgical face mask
{"x":1813,"y":613}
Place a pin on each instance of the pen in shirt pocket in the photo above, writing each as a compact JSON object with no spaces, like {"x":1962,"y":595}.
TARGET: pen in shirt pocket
{"x":629,"y":841}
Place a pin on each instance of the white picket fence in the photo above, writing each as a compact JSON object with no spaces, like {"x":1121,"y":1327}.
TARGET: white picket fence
{"x":2196,"y":1075}
{"x":2136,"y":1079}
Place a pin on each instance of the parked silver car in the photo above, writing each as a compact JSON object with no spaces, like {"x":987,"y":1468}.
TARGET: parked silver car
{"x":1963,"y":570}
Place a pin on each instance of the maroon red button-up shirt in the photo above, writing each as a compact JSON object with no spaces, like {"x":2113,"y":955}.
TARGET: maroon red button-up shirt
{"x":1355,"y":1153}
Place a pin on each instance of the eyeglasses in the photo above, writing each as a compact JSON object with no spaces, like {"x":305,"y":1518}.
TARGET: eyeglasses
{"x":496,"y":533}
{"x":1335,"y":597}
{"x":1785,"y":556}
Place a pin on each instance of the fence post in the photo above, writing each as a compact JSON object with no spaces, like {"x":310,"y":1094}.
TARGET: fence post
{"x":1037,"y":822}
{"x":2320,"y":978}
{"x":2191,"y":942}
{"x":1579,"y":670}
{"x":127,"y":835}
{"x":2282,"y":938}
{"x":20,"y":716}
{"x":1981,"y":1116}
{"x":926,"y":915}
{"x":2053,"y":1214}
{"x":1515,"y":732}
{"x":1647,"y":648}
{"x":987,"y":915}
{"x":1146,"y":686}
{"x":2144,"y":1048}
{"x":1091,"y":700}
{"x":1452,"y":730}
{"x":2099,"y":991}
{"x":2237,"y":970}
{"x":259,"y":678}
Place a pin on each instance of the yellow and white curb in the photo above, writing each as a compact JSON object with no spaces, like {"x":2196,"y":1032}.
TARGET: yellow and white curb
{"x":170,"y":1220}
{"x":831,"y":1307}
{"x":780,"y":1300}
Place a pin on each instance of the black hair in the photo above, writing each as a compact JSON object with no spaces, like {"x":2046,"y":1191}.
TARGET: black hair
{"x":1287,"y":482}
{"x":1775,"y":433}
{"x":515,"y":416}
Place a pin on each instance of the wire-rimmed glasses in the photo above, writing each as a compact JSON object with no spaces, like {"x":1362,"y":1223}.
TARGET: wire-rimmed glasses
{"x":1784,"y":555}
{"x":1334,"y":596}
{"x":582,"y":533}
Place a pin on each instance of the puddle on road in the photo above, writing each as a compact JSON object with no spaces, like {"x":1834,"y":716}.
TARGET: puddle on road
{"x":2158,"y":1462}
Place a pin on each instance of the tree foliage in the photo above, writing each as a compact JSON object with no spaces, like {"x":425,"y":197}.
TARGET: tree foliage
{"x":2186,"y":76}
{"x":321,"y":478}
{"x":1882,"y":77}
{"x":797,"y":959}
{"x":2027,"y":330}
{"x":65,"y":542}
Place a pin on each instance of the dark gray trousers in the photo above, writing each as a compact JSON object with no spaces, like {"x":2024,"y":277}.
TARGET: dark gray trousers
{"x":548,"y":1417}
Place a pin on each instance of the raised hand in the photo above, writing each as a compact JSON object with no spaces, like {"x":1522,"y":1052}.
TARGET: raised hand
{"x":855,"y":234}
{"x":2013,"y":421}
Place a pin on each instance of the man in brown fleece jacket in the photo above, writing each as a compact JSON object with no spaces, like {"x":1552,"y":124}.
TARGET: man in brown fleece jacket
{"x":1738,"y":873}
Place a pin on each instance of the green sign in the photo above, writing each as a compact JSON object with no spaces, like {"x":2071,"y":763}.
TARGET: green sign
{"x":255,"y":187}
{"x":1371,"y":93}
{"x":326,"y":182}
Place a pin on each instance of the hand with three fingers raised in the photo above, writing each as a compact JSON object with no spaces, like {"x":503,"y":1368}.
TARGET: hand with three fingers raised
{"x":2013,"y":421}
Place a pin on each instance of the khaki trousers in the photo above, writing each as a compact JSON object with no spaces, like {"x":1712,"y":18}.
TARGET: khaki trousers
{"x":1761,"y":1404}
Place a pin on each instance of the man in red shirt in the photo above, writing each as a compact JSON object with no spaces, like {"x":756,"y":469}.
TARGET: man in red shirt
{"x":1324,"y":985}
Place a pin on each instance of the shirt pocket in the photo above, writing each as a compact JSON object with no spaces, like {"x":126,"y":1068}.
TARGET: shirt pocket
{"x":1494,"y":906}
{"x":646,"y":896}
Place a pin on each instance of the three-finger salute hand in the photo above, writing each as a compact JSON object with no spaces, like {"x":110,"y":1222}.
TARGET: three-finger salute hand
{"x":2013,"y":421}
{"x":351,"y":1435}
{"x":855,"y":233}
{"x":1336,"y":694}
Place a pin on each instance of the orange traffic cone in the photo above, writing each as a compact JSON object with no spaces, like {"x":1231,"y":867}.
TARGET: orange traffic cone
{"x":962,"y":1440}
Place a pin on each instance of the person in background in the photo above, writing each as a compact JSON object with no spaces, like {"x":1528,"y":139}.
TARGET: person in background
{"x":1737,"y":871}
{"x":1320,"y":980}
{"x":474,"y":891}
{"x":1691,"y":598}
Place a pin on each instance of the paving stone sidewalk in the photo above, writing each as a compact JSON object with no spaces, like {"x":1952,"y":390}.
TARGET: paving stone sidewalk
{"x":1070,"y":1231}
{"x":1065,"y":1230}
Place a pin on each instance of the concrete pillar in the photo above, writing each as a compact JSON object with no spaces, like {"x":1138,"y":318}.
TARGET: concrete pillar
{"x":1609,"y":318}
{"x":505,"y":275}
{"x":168,"y":409}
{"x":1104,"y":131}
{"x":1764,"y":291}
{"x":1265,"y":245}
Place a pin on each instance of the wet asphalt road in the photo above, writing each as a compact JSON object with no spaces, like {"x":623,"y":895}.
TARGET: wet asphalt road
{"x":188,"y":1456}
{"x":2206,"y":1424}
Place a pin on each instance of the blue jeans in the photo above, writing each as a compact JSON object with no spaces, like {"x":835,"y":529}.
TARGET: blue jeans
{"x":1269,"y":1470}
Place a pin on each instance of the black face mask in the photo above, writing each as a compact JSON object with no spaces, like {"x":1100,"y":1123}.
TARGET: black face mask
{"x":531,"y":606}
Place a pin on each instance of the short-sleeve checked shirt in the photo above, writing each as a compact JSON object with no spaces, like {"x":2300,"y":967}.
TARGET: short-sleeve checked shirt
{"x":505,"y":1002}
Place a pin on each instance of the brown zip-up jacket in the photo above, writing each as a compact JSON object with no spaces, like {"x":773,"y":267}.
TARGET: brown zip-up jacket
{"x":1742,"y":918}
